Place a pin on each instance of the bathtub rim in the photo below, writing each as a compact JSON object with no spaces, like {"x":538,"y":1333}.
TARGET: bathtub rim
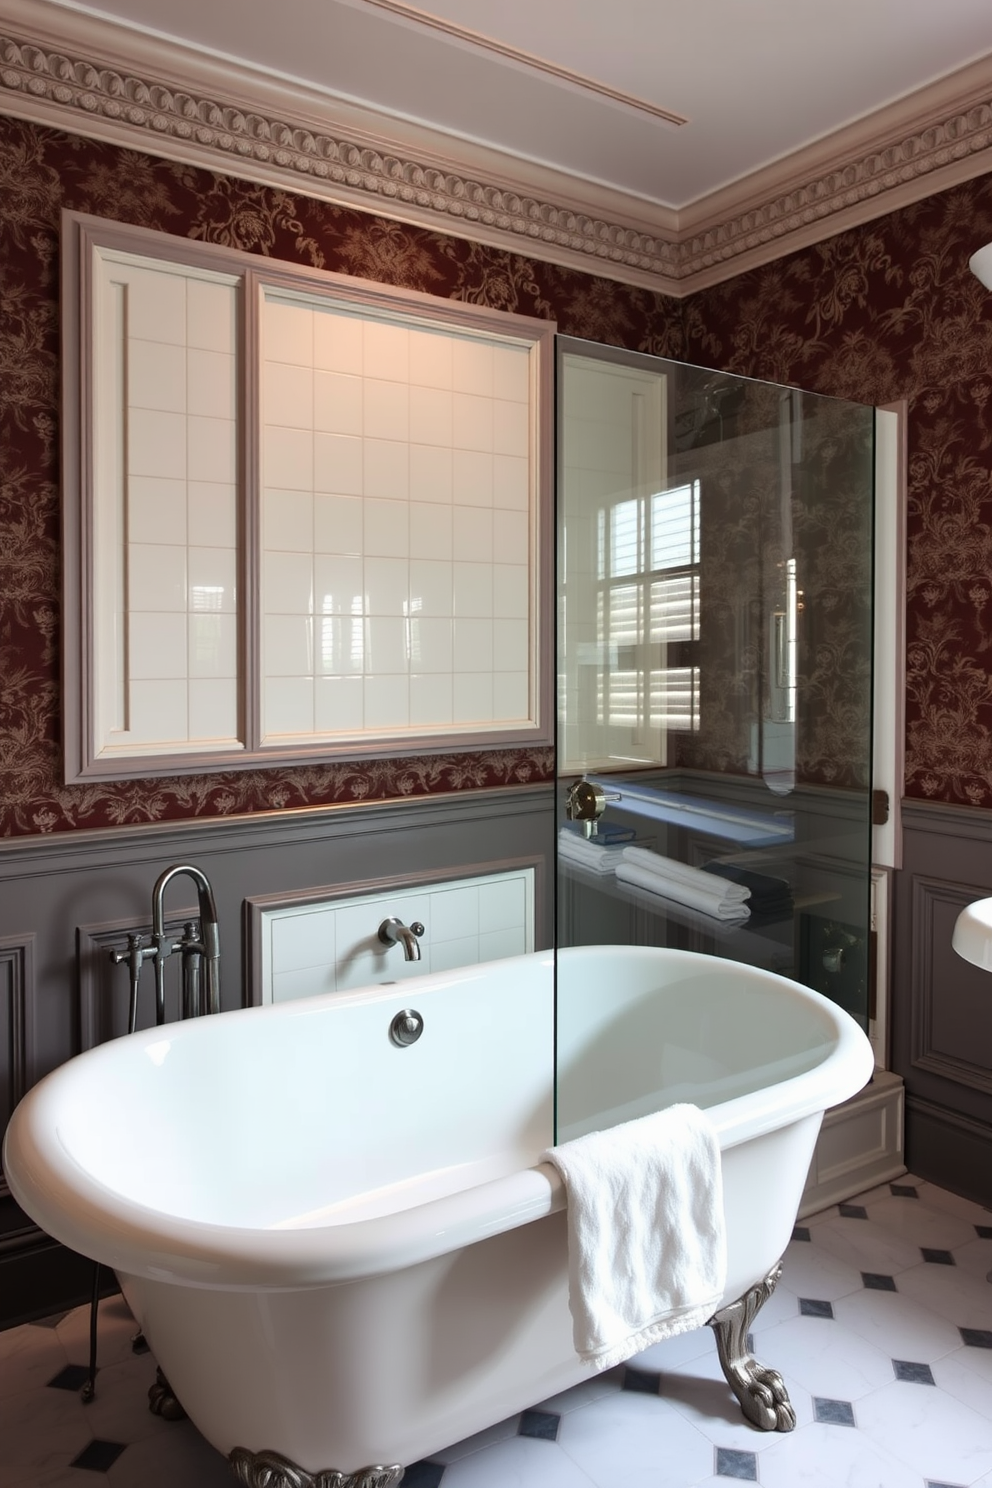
{"x":81,"y":1211}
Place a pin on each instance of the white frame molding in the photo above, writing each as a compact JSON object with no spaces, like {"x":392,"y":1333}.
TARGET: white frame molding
{"x":84,"y":238}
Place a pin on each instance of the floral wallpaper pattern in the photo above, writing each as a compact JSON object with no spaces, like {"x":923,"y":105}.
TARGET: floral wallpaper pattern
{"x":42,"y":172}
{"x":883,"y":312}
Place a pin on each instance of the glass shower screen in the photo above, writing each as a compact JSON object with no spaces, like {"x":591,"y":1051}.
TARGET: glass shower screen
{"x":714,"y":668}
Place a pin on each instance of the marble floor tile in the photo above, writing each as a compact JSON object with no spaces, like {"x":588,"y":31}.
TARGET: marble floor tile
{"x":685,"y":1430}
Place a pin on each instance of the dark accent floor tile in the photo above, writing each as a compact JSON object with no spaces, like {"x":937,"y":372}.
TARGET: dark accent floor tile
{"x":423,"y":1475}
{"x":984,"y":1232}
{"x":833,"y":1412}
{"x":542,"y":1424}
{"x":931,"y":1484}
{"x":976,"y":1337}
{"x":853,"y":1211}
{"x":936,"y":1257}
{"x":99,"y":1455}
{"x":904,"y":1191}
{"x":813,"y":1307}
{"x":49,"y":1322}
{"x":912,"y":1373}
{"x":646,"y":1381}
{"x":875,"y":1281}
{"x":740,"y":1465}
{"x":801,"y":1232}
{"x":72,"y":1377}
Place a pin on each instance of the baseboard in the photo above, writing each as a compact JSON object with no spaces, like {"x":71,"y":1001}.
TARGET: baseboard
{"x":860,"y":1145}
{"x":950,"y":1149}
{"x":39,"y":1277}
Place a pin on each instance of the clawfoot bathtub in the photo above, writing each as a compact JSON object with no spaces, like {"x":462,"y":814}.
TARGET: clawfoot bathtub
{"x":343,"y":1249}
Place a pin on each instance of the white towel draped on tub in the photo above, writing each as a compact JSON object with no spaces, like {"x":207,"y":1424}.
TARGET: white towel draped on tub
{"x":647,"y":1252}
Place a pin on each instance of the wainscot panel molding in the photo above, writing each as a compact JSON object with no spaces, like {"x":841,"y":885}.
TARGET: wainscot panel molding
{"x":68,"y":899}
{"x":91,"y":77}
{"x":942,"y":1005}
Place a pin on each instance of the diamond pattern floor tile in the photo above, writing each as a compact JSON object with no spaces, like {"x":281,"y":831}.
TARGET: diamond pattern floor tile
{"x":881,"y":1326}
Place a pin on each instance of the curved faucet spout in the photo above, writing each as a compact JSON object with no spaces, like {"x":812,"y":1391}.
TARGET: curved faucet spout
{"x":208,"y":947}
{"x":394,"y":932}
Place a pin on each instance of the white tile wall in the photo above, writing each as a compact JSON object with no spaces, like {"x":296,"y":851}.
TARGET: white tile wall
{"x":332,"y":946}
{"x":177,"y":674}
{"x":396,"y":464}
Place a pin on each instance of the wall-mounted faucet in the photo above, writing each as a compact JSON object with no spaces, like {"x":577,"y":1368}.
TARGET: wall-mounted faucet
{"x":394,"y":932}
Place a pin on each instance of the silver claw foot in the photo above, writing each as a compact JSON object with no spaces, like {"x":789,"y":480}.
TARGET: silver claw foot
{"x":162,"y":1402}
{"x":272,"y":1470}
{"x":760,"y":1390}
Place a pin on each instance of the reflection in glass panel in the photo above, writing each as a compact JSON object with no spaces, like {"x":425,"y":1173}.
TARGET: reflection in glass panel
{"x":714,"y":659}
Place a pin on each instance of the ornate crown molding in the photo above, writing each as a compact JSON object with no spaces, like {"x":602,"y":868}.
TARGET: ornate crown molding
{"x":233,"y":121}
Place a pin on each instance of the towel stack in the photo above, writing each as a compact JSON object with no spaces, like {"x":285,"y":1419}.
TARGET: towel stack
{"x":770,"y":897}
{"x":597,"y":857}
{"x":690,"y":886}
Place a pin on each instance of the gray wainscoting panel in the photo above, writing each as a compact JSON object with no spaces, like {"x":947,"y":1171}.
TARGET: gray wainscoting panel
{"x":942,"y":1005}
{"x":65,"y":900}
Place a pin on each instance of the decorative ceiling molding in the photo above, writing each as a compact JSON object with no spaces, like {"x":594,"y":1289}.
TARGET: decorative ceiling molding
{"x":234,"y":121}
{"x":525,"y":59}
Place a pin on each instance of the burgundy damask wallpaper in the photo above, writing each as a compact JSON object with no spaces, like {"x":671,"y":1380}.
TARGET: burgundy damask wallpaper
{"x":883,"y":312}
{"x":42,"y":172}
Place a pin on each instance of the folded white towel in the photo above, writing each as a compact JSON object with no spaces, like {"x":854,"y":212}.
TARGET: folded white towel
{"x":698,"y":878}
{"x":713,"y":904}
{"x":598,"y":857}
{"x":647,"y":1251}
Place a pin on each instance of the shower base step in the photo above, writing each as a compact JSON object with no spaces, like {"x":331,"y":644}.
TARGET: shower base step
{"x":860,"y":1145}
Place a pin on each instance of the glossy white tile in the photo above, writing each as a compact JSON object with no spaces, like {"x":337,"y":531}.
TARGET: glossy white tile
{"x":337,"y":524}
{"x":287,"y":520}
{"x":386,"y":350}
{"x":472,"y":478}
{"x":156,"y":305}
{"x":287,"y":705}
{"x":337,"y":342}
{"x":472,"y":589}
{"x":386,"y":469}
{"x":156,"y":376}
{"x":157,"y":644}
{"x":211,"y":315}
{"x":211,"y":383}
{"x":431,"y":355}
{"x":287,"y":395}
{"x":337,"y":403}
{"x":212,"y":514}
{"x":287,"y":332}
{"x":156,"y":509}
{"x":157,"y":576}
{"x":338,"y":464}
{"x":213,"y":709}
{"x":288,"y":457}
{"x":431,"y":477}
{"x":156,"y":443}
{"x":385,"y":528}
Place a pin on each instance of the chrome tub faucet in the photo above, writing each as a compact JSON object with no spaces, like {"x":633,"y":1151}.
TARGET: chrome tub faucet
{"x":393,"y":932}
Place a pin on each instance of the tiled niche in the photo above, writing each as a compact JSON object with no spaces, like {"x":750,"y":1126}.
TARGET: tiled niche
{"x":305,"y":516}
{"x":304,"y":945}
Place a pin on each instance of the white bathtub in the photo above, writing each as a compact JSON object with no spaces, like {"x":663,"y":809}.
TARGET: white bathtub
{"x":345,"y":1252}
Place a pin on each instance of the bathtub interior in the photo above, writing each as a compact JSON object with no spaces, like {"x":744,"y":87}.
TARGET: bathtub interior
{"x":307,"y":1113}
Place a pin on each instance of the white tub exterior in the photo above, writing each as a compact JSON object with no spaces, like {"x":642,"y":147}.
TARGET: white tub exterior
{"x":348,"y":1252}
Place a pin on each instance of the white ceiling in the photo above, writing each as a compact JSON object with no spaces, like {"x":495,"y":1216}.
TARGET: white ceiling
{"x":756,"y":79}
